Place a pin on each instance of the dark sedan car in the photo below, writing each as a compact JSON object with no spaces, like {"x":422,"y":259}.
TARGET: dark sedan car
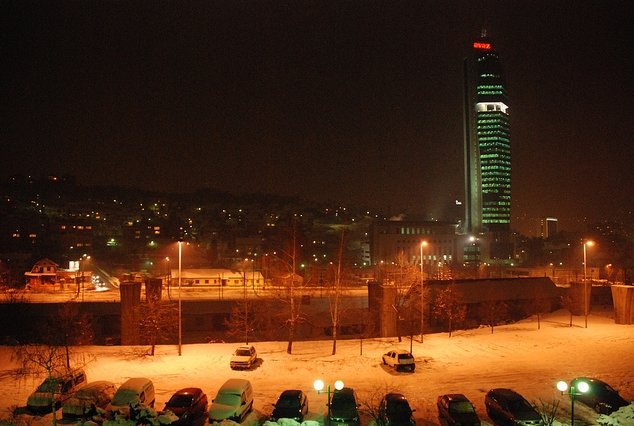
{"x":394,"y":410}
{"x":292,"y":404}
{"x":601,"y":397}
{"x":344,"y":408}
{"x":190,"y":405}
{"x":508,"y":408}
{"x":456,"y":410}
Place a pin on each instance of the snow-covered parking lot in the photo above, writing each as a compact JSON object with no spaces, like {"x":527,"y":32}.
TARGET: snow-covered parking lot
{"x":518,"y":356}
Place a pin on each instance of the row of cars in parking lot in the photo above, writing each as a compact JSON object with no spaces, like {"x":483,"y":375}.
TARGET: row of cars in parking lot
{"x":80,"y":399}
{"x":507,"y":407}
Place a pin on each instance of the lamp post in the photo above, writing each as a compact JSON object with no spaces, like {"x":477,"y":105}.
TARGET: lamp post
{"x":246,"y":306}
{"x":586,"y":243}
{"x":576,"y":388}
{"x":319,"y":387}
{"x":168,"y":277}
{"x":422,"y":293}
{"x":180,"y":327}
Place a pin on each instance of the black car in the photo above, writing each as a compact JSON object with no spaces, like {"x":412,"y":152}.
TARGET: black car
{"x":601,"y":397}
{"x":292,"y":404}
{"x":190,"y":405}
{"x":343,"y":408}
{"x":456,"y":410}
{"x":394,"y":410}
{"x":508,"y":408}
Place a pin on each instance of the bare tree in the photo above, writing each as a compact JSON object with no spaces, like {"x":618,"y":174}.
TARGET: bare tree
{"x":334,"y":299}
{"x":405,"y":275}
{"x":548,"y":411}
{"x":158,"y":322}
{"x":448,"y":306}
{"x":283,"y":268}
{"x":68,"y":327}
{"x":371,"y":404}
{"x":240,"y":312}
{"x":493,"y":313}
{"x":35,"y":360}
{"x":242,"y":320}
{"x":538,"y":306}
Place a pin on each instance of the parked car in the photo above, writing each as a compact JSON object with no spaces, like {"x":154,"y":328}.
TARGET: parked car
{"x":243,"y":358}
{"x":233,"y":401}
{"x":189,"y":405}
{"x":394,"y":410}
{"x":84,"y":402}
{"x":455,"y":409}
{"x":508,"y":408}
{"x":54,"y":391}
{"x":400,"y":360}
{"x":292,"y":404}
{"x":132,"y":392}
{"x":601,"y":397}
{"x":344,"y":408}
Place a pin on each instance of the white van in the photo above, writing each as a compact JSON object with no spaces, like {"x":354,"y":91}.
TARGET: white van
{"x":57,"y":389}
{"x":233,"y":401}
{"x":134,"y":391}
{"x":84,"y":403}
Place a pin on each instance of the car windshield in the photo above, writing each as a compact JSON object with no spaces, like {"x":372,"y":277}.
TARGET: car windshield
{"x":243,"y":352}
{"x":520,"y":406}
{"x":287,"y":402}
{"x":605,"y":388}
{"x":342,"y":400}
{"x":125,"y":397}
{"x":405,"y":356}
{"x":228,"y":399}
{"x":461,"y":407}
{"x":180,"y":401}
{"x":50,"y":385}
{"x":399,"y":410}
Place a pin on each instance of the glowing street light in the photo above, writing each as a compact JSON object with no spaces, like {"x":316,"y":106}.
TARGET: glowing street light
{"x":319,"y":387}
{"x":586,"y":243}
{"x":422,"y":294}
{"x":576,"y":388}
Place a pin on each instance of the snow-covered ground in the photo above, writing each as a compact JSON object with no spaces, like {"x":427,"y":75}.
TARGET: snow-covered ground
{"x":517,"y":356}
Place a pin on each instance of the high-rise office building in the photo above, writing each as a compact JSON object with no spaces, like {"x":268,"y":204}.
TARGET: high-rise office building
{"x":487,"y":142}
{"x":548,"y":227}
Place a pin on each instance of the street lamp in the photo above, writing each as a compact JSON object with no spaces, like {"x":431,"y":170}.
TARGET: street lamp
{"x":422,"y":294}
{"x":180,"y":326}
{"x":576,"y":388}
{"x":585,"y":281}
{"x":168,"y":277}
{"x":319,"y":386}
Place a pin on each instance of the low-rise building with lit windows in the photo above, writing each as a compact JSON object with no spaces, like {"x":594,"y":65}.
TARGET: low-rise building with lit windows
{"x":393,"y":241}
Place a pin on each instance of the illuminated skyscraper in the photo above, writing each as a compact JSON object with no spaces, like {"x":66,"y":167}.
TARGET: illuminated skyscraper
{"x":487,"y":142}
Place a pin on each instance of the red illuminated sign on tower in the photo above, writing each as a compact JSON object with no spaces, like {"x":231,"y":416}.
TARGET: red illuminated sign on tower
{"x":480,"y":45}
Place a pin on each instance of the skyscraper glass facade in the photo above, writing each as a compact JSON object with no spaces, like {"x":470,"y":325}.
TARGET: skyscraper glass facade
{"x":487,"y":142}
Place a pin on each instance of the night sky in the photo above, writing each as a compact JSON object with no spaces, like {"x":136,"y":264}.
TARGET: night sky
{"x":358,"y":102}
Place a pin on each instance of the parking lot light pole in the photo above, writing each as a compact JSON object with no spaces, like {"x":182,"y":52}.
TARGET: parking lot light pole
{"x":319,"y":387}
{"x":586,"y":243}
{"x":422,"y":294}
{"x":180,"y":319}
{"x":579,"y":388}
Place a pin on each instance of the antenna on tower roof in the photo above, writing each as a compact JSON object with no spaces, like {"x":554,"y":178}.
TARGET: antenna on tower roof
{"x":483,"y":32}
